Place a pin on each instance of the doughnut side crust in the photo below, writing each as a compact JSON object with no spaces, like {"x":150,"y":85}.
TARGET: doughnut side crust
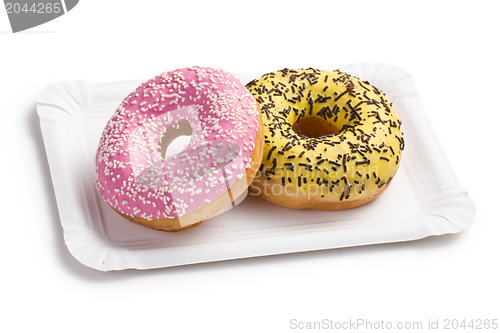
{"x":296,"y":199}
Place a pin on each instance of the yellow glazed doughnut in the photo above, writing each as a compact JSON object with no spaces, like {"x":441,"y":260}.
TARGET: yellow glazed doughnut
{"x":331,"y":141}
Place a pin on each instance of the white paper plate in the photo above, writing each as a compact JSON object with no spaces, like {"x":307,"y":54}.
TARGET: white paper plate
{"x":424,"y":199}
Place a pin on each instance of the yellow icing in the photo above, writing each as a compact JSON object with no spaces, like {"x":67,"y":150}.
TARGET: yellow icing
{"x":350,"y":164}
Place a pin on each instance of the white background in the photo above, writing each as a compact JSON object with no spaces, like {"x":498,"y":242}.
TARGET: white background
{"x":451,"y":48}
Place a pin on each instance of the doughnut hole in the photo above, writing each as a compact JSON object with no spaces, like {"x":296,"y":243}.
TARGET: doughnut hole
{"x":175,"y":139}
{"x":314,"y":127}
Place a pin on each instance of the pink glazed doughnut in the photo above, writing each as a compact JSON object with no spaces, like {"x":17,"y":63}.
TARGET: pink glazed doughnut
{"x":179,"y":191}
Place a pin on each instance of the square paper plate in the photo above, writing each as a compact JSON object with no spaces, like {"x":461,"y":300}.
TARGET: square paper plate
{"x":424,"y":199}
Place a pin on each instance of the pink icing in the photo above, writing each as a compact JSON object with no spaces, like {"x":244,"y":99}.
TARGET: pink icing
{"x":131,"y":173}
